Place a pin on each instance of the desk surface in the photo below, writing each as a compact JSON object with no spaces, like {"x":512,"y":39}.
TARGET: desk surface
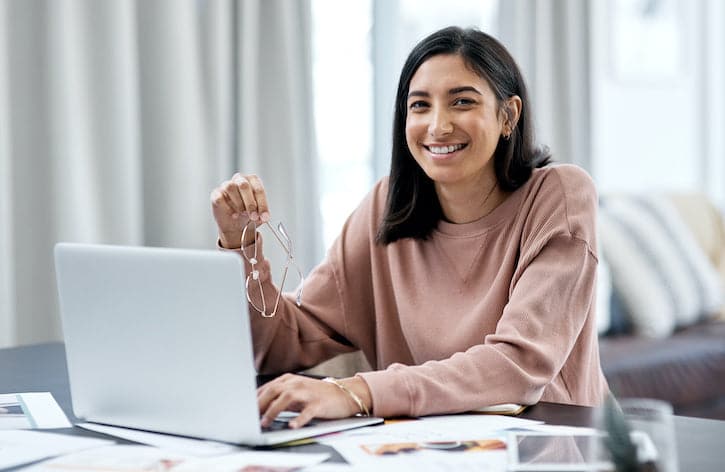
{"x":42,"y":368}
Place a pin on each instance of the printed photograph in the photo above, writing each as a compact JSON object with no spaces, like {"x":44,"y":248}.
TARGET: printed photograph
{"x":392,"y":449}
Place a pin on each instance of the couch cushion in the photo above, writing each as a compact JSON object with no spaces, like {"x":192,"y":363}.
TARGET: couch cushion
{"x":663,"y":277}
{"x":685,"y":369}
{"x":707,"y":225}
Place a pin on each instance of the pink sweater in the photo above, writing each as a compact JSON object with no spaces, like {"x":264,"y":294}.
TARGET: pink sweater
{"x":495,"y":311}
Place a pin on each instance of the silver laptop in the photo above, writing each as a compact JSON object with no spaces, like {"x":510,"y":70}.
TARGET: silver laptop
{"x":159,"y":340}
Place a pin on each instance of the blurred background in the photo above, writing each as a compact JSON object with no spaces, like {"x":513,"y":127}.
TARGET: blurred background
{"x":118,"y":117}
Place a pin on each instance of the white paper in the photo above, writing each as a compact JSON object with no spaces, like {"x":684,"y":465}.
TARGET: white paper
{"x":119,"y":458}
{"x":433,"y":428}
{"x":30,"y":411}
{"x":433,"y":443}
{"x":254,"y":460}
{"x":193,"y":447}
{"x":330,"y":467}
{"x":136,"y":458}
{"x":19,"y":447}
{"x":478,"y":453}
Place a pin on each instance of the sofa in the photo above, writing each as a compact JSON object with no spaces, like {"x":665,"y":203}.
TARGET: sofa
{"x":660,"y":313}
{"x":660,"y":302}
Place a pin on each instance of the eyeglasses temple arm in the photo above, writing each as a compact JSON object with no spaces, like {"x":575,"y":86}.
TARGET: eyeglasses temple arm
{"x":285,"y":244}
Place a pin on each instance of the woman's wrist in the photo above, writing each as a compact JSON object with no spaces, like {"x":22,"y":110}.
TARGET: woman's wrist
{"x":228,"y":241}
{"x":234,"y":240}
{"x":359,"y":389}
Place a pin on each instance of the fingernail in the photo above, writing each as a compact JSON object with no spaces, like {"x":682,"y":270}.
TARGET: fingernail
{"x":293,"y":424}
{"x":254,"y":215}
{"x":235,"y":215}
{"x":265,"y":216}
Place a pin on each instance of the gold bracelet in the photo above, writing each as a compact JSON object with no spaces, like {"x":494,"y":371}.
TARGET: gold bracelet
{"x":363,"y":409}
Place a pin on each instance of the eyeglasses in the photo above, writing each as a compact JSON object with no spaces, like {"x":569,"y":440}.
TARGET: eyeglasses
{"x":286,"y":242}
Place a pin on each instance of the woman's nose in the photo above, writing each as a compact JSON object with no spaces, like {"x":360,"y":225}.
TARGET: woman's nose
{"x":440,"y":124}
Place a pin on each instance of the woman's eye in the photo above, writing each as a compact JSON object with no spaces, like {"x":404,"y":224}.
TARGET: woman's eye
{"x":418,"y":105}
{"x":463,"y":102}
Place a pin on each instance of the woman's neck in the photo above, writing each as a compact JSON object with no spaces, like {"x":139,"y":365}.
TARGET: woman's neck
{"x":467,"y":203}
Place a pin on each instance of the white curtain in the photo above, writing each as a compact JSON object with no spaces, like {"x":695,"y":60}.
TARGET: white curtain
{"x":276,"y":126}
{"x":550,"y":41}
{"x":7,"y":282}
{"x":118,"y":118}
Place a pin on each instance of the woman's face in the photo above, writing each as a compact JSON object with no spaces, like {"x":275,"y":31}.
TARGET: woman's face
{"x":453,"y":122}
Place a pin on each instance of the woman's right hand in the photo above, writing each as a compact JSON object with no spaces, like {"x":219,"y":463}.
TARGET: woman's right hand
{"x":234,"y":203}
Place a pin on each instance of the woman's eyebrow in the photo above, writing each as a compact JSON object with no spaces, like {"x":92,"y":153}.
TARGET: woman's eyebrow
{"x":453,"y":91}
{"x":466,"y":88}
{"x":418,"y":93}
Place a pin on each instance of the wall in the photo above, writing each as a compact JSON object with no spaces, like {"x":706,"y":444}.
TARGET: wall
{"x":654,"y":124}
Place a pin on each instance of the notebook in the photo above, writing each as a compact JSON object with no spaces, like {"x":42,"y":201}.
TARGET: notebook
{"x":158,"y":339}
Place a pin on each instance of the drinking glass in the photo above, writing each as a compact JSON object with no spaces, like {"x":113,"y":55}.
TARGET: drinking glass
{"x":635,"y":434}
{"x":654,"y":419}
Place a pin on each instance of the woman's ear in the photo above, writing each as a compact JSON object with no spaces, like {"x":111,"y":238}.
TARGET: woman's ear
{"x":512,"y":111}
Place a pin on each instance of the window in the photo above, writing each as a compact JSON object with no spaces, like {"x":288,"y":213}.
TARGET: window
{"x":342,"y":76}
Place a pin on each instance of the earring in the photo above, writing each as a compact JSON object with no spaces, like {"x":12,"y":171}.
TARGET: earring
{"x":508,"y":130}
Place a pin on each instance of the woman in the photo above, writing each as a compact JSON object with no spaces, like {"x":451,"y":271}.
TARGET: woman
{"x":467,"y":277}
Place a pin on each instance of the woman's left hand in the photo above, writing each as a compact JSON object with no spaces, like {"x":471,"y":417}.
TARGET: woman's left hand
{"x":310,"y":397}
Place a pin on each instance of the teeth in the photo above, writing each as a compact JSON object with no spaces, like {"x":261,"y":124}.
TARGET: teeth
{"x":445,"y":149}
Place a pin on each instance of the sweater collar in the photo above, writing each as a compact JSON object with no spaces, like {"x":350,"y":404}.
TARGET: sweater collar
{"x":505,"y":211}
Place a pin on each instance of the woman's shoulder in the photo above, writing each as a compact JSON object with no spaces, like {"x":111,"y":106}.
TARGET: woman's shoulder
{"x":380,"y":189}
{"x":563,"y":184}
{"x":569,"y":178}
{"x":566,"y":190}
{"x":374,"y":202}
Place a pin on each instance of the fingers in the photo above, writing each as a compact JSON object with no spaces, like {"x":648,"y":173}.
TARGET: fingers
{"x":304,"y":417}
{"x":247,"y":192}
{"x":254,"y":196}
{"x":234,"y":203}
{"x":233,"y":196}
{"x":242,"y":195}
{"x":220,"y":202}
{"x":310,"y":397}
{"x":281,"y":394}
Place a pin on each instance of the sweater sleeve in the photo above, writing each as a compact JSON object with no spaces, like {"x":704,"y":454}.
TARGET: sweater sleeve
{"x":549,"y":302}
{"x":303,"y":336}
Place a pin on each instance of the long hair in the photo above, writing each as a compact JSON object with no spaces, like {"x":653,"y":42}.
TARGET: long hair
{"x":412,"y":208}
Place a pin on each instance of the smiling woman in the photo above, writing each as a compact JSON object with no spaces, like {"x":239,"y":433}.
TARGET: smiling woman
{"x":466,"y":277}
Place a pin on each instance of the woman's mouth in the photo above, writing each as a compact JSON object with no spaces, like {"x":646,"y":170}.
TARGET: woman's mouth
{"x":444,"y":150}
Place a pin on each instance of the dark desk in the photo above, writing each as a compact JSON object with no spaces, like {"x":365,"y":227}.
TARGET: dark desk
{"x":42,"y":368}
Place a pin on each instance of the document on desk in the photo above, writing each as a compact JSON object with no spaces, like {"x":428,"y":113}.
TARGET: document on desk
{"x":433,"y":428}
{"x":137,"y":458}
{"x":476,"y":453}
{"x":30,"y":411}
{"x":450,"y":442}
{"x":18,"y":447}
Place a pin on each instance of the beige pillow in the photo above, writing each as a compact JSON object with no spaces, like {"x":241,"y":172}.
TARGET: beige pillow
{"x":707,"y":225}
{"x":659,"y":271}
